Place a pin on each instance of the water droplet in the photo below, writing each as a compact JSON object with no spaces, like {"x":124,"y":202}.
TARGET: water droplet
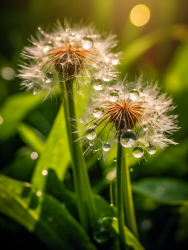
{"x":106,"y":78}
{"x":48,"y":78}
{"x":84,"y":119}
{"x":98,"y":112}
{"x":115,"y":60}
{"x":87,"y":42}
{"x":106,"y":147}
{"x":71,"y":36}
{"x":106,"y":59}
{"x":49,"y":75}
{"x":28,"y":83}
{"x":131,"y":169}
{"x":101,"y":235}
{"x":115,"y":159}
{"x":145,"y":127}
{"x":138,"y":152}
{"x":90,"y":134}
{"x":133,"y":94}
{"x":97,"y":84}
{"x":151,"y":149}
{"x":36,"y":91}
{"x":47,"y":46}
{"x":91,"y":143}
{"x":128,"y":138}
{"x":59,"y":38}
{"x":113,"y":96}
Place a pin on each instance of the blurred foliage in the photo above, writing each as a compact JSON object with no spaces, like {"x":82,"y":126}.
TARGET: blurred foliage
{"x":159,"y":50}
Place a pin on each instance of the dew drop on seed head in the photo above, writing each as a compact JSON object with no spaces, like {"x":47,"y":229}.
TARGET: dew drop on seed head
{"x":71,"y":36}
{"x":49,"y":75}
{"x":91,"y":143}
{"x":97,"y":84}
{"x":47,"y":46}
{"x":151,"y":149}
{"x":28,"y":83}
{"x":107,"y":78}
{"x":133,"y":94}
{"x":90,"y":134}
{"x":115,"y":60}
{"x":113,"y":96}
{"x":98,"y":112}
{"x":48,"y":78}
{"x":128,"y":138}
{"x":106,"y":147}
{"x":115,"y":159}
{"x":84,"y":119}
{"x":138,"y":152}
{"x":36,"y":91}
{"x":59,"y":38}
{"x":87,"y":42}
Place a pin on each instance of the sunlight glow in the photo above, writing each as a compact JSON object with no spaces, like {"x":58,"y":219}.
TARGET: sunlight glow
{"x":140,"y":15}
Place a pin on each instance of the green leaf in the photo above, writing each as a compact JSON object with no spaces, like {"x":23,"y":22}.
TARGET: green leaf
{"x":22,"y":166}
{"x":176,"y":76}
{"x":111,"y":225}
{"x":15,"y":109}
{"x":43,"y":215}
{"x":57,"y":189}
{"x":182,"y":225}
{"x":29,"y":136}
{"x":165,"y":190}
{"x":56,"y":153}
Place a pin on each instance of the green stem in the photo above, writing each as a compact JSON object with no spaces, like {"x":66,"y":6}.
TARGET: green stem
{"x":130,"y":219}
{"x":86,"y":205}
{"x":120,"y":197}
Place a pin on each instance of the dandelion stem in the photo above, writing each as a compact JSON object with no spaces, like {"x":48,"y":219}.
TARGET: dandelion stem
{"x":120,"y":197}
{"x":85,"y":199}
{"x":129,"y":213}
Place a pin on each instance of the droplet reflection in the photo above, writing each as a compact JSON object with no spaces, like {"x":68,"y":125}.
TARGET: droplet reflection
{"x":128,"y":138}
{"x":87,"y":42}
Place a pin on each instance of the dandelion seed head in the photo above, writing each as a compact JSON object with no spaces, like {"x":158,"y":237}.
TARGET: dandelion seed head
{"x":68,"y":53}
{"x":134,"y":114}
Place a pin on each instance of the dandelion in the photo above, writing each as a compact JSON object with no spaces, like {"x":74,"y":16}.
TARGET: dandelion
{"x":135,"y":115}
{"x":67,"y":54}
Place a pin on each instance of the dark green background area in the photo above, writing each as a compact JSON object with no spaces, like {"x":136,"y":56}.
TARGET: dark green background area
{"x":159,"y":50}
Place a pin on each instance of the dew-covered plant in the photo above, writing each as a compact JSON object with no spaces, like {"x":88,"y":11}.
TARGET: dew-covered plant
{"x":132,"y":115}
{"x":135,"y":116}
{"x":68,"y":53}
{"x":135,"y":112}
{"x":66,"y":56}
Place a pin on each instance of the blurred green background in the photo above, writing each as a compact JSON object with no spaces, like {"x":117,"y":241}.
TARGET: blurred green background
{"x":159,"y":50}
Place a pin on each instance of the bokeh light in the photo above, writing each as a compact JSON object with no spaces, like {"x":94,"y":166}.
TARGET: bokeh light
{"x":34,"y":155}
{"x":146,"y":224}
{"x":140,"y":15}
{"x":1,"y":120}
{"x":7,"y":73}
